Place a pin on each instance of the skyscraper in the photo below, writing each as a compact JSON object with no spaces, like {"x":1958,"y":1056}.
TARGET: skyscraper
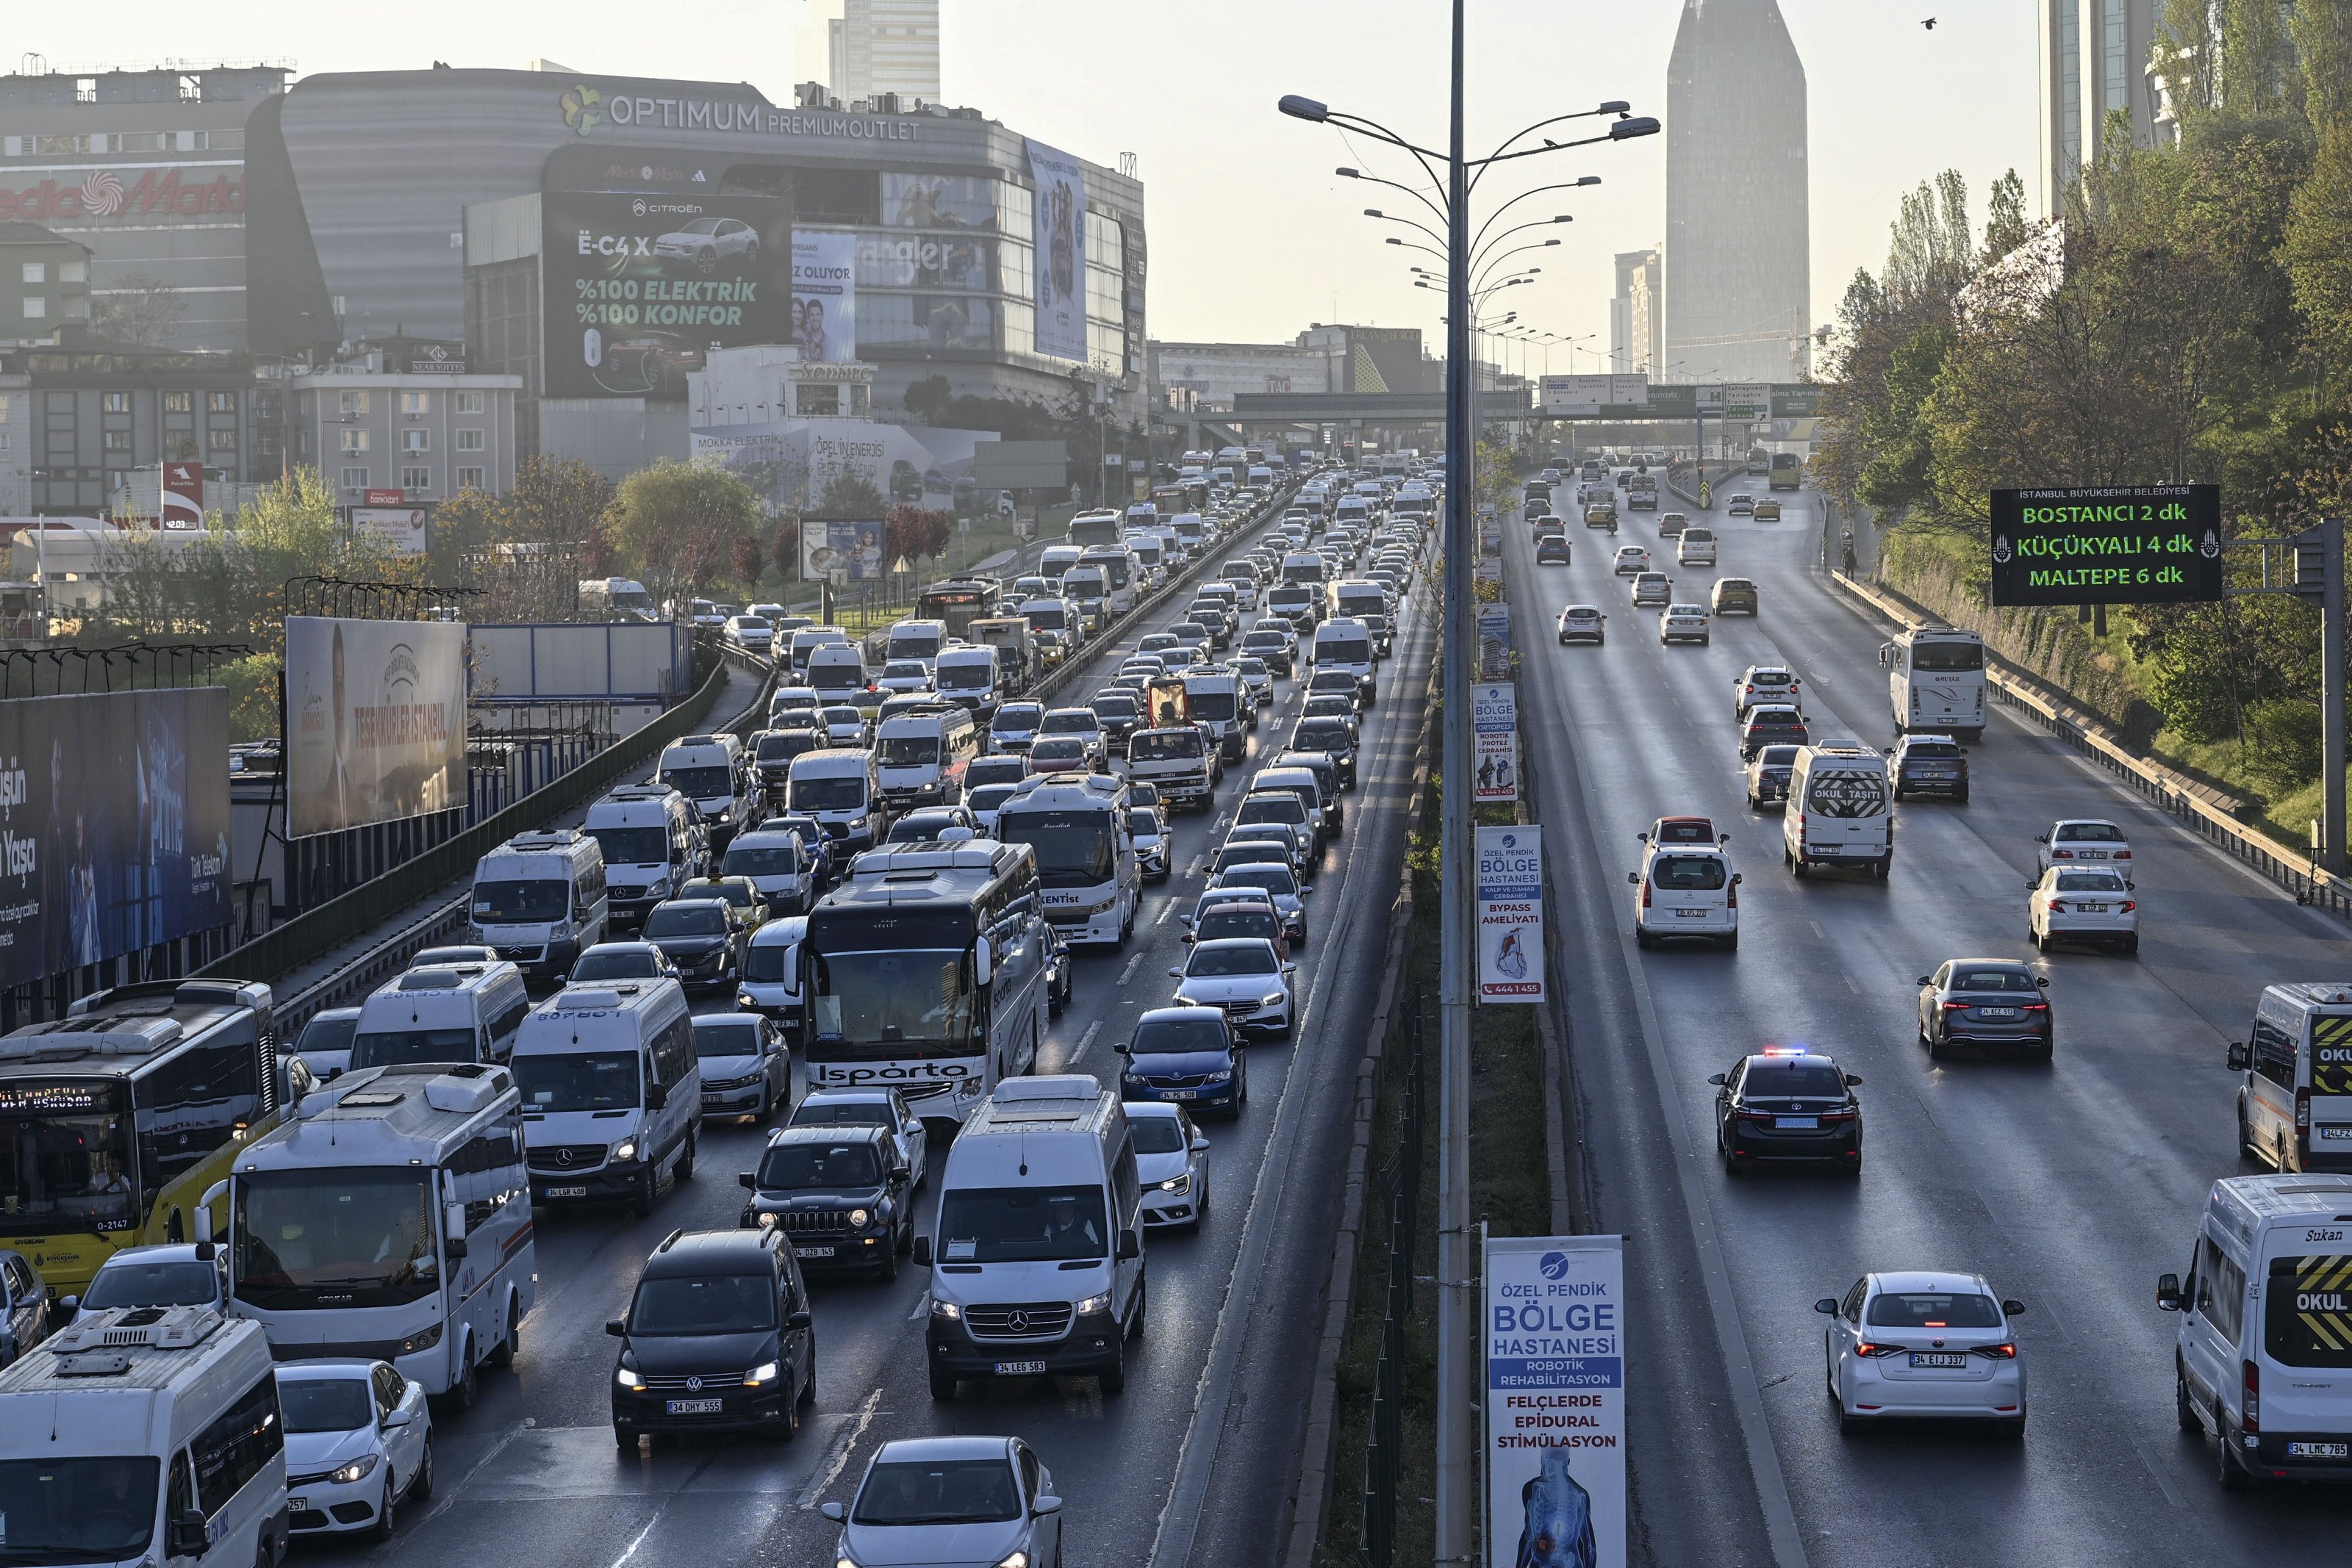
{"x":1738,"y":271}
{"x":885,"y":45}
{"x":1633,"y":314}
{"x":2095,"y":56}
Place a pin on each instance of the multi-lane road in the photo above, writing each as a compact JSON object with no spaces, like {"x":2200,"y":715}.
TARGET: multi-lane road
{"x":1193,"y":1463}
{"x":2070,"y":1185}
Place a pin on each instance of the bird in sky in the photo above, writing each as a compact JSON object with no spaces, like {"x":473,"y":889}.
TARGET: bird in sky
{"x":1929,"y":24}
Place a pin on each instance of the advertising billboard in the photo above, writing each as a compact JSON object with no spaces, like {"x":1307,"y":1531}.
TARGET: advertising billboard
{"x":1058,"y":215}
{"x":1494,"y":642}
{"x":183,"y":496}
{"x":2125,"y":544}
{"x":375,"y":719}
{"x":1510,"y":914}
{"x":637,"y":287}
{"x":845,"y":551}
{"x":1385,"y":359}
{"x":1495,"y":720}
{"x":1554,"y":1329}
{"x":113,"y":825}
{"x":791,"y":461}
{"x":824,"y":297}
{"x":401,"y":528}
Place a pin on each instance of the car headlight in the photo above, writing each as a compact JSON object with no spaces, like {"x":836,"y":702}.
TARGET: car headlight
{"x":626,"y":1149}
{"x":660,"y":888}
{"x":359,"y":1469}
{"x":842,"y":1560}
{"x":1094,"y":1304}
{"x":947,"y":1310}
{"x":627,"y":1379}
{"x":746,"y":999}
{"x":1273,"y":1000}
{"x":765,"y":1373}
{"x":1013,"y":1560}
{"x":1178,"y":1183}
{"x":1184,"y":1001}
{"x":1218,"y":1077}
{"x":765,"y":1219}
{"x":857,"y":1218}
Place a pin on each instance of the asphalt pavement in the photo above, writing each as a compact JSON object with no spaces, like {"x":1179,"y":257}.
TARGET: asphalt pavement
{"x":2070,"y":1185}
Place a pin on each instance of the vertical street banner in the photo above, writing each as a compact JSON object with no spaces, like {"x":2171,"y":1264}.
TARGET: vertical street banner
{"x":376,"y":721}
{"x":1059,"y":214}
{"x":183,"y":497}
{"x":1555,"y":1333}
{"x":1510,"y":914}
{"x":1495,"y":721}
{"x":824,"y":297}
{"x":1494,"y":642}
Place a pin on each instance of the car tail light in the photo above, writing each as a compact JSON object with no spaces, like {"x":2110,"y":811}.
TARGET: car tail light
{"x":2302,"y":1111}
{"x":2130,"y":904}
{"x":1746,"y":1115}
{"x":1955,"y":1006}
{"x":2121,"y":855}
{"x":1645,"y":895}
{"x":1868,"y":1347}
{"x":2001,"y":1351}
{"x":1839,"y":1115}
{"x":2035,"y":1007}
{"x":2062,"y":854}
{"x":2252,"y":1375}
{"x":1731,"y":897}
{"x":2057,"y":907}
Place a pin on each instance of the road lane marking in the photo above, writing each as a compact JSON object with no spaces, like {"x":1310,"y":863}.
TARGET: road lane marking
{"x":922,"y":1304}
{"x":1128,"y":973}
{"x":1165,"y":909}
{"x":837,"y":1456}
{"x":1085,"y":1040}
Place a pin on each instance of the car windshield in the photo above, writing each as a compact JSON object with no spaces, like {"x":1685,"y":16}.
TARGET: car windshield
{"x":902,"y":669}
{"x":534,"y":901}
{"x":2089,"y":882}
{"x":1156,"y":1135}
{"x":1014,"y":720}
{"x":1237,"y":923}
{"x":991,"y":796}
{"x":1058,"y":748}
{"x":1931,"y":748}
{"x":1110,"y":707}
{"x":632,"y":846}
{"x":1322,"y":735}
{"x":698,"y":917}
{"x":581,"y":1080}
{"x":844,"y":716}
{"x":721,"y":1303}
{"x":616,"y":964}
{"x":1071,"y":721}
{"x":763,"y":859}
{"x":820,"y":1168}
{"x":2018,"y":980}
{"x":1022,"y":1224}
{"x":1165,"y":746}
{"x":1143,"y":823}
{"x":1213,"y":961}
{"x":325,"y":1404}
{"x":906,"y":750}
{"x":1273,"y":878}
{"x":813,"y":1113}
{"x":700,"y":783}
{"x":842,"y":792}
{"x":1794,"y":1078}
{"x":938,"y":1491}
{"x":1179,"y":1036}
{"x":2090,"y":833}
{"x":324,"y":1033}
{"x":131,"y":1282}
{"x":405,"y":1047}
{"x":83,"y":1509}
{"x":785,"y":744}
{"x":726,"y":1036}
{"x":1933,"y":1309}
{"x":923,"y":995}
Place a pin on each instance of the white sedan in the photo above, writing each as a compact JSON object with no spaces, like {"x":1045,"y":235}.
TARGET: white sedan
{"x":1924,"y":1345}
{"x":2086,"y":903}
{"x":1632,"y":558}
{"x":359,"y":1443}
{"x":1683,"y":624}
{"x":905,"y":677}
{"x":2076,"y":841}
{"x":1172,"y":1161}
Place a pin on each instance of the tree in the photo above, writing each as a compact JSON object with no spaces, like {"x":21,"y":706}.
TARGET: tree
{"x":2006,"y":225}
{"x":913,"y":533}
{"x":749,"y":560}
{"x":556,"y":499}
{"x":2317,"y":251}
{"x":144,"y":309}
{"x":678,"y":523}
{"x":848,"y":496}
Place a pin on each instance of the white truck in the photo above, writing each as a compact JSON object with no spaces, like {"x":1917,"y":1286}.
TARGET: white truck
{"x":1215,"y":698}
{"x":1016,"y":651}
{"x":1181,"y":763}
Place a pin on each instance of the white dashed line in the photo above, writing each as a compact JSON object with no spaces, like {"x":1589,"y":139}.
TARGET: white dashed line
{"x":1128,"y":973}
{"x":842,"y":1447}
{"x":1085,"y":1040}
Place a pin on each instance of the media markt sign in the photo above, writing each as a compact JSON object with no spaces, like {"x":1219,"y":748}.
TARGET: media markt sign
{"x":1495,"y":720}
{"x":1510,"y":914}
{"x":1554,"y":1338}
{"x":2127,"y":543}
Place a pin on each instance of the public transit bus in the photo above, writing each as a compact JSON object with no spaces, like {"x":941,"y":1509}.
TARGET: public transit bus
{"x":925,"y":972}
{"x":1077,"y":825}
{"x":1788,"y":471}
{"x":1095,"y":529}
{"x":959,"y":601}
{"x":115,"y":1119}
{"x":1935,"y":681}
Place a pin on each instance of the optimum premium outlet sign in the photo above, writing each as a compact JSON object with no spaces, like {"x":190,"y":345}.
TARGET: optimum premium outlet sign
{"x":2131,"y":544}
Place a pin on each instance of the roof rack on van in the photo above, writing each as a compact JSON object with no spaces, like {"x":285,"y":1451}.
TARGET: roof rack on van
{"x":639,"y":792}
{"x":441,"y":976}
{"x":545,"y":839}
{"x":124,"y":1328}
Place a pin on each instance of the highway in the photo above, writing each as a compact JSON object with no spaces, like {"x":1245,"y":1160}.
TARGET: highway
{"x":530,"y":1478}
{"x":2070,"y":1185}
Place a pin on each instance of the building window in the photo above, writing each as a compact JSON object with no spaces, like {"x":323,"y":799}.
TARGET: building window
{"x":469,"y":403}
{"x":179,"y":402}
{"x":469,"y":440}
{"x":221,"y":402}
{"x":467,"y":478}
{"x":74,"y":271}
{"x":222,"y":440}
{"x":355,"y":478}
{"x":415,"y":402}
{"x":34,"y":307}
{"x":115,"y":402}
{"x":416,"y":440}
{"x":355,"y":441}
{"x":7,"y":408}
{"x":416,"y":481}
{"x":354,"y":403}
{"x":37,"y":272}
{"x":137,"y":141}
{"x":117,"y":440}
{"x":819,"y":400}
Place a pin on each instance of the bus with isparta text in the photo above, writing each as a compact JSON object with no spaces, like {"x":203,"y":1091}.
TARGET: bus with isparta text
{"x":1788,"y":471}
{"x":1077,"y":825}
{"x":925,"y":972}
{"x":1934,"y":682}
{"x":115,"y":1119}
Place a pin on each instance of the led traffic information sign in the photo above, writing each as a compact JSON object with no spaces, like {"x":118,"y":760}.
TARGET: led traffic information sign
{"x":2125,"y":544}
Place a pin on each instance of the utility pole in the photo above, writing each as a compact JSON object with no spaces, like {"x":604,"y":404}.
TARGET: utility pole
{"x":2331,"y":691}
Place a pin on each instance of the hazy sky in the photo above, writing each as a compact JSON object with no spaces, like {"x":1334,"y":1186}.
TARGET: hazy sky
{"x":1251,"y":236}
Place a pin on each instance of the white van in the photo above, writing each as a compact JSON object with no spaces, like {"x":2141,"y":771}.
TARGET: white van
{"x":652,"y":840}
{"x":2261,"y":1360}
{"x":968,"y":676}
{"x":841,"y":787}
{"x":807,"y":640}
{"x":1696,"y":547}
{"x":912,"y":639}
{"x":2294,"y":1105}
{"x":1685,"y":890}
{"x":611,"y":1091}
{"x":1839,"y":812}
{"x":772,"y":984}
{"x":1036,"y":1256}
{"x":921,"y":757}
{"x":838,"y":672}
{"x":143,"y":1436}
{"x":452,"y":1012}
{"x":539,"y":898}
{"x":712,"y":771}
{"x":1346,"y":643}
{"x":1056,"y":559}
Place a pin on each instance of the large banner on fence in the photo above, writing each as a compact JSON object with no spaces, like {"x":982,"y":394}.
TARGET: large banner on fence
{"x":1059,"y":219}
{"x":376,"y":721}
{"x":1554,"y":1340}
{"x":113,"y":825}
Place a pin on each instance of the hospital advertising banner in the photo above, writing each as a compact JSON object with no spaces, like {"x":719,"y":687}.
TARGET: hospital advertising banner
{"x":1058,"y":214}
{"x":1495,"y":721}
{"x":824,"y":297}
{"x":1554,"y":1340}
{"x":1510,"y":914}
{"x":376,"y":720}
{"x":113,"y":825}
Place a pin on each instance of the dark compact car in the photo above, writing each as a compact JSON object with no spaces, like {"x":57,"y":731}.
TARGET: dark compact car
{"x":1274,"y":648}
{"x":774,"y":752}
{"x":24,"y":1311}
{"x":1120,"y":715}
{"x":703,"y":937}
{"x":1335,"y":737}
{"x":1187,"y":1055}
{"x":622,"y":961}
{"x":1985,"y":1001}
{"x":842,"y":1194}
{"x":1767,"y":774}
{"x":1930,"y":765}
{"x":1551,"y":550}
{"x":719,"y":1337}
{"x":1770,"y":725}
{"x":1787,"y":1105}
{"x":815,"y":840}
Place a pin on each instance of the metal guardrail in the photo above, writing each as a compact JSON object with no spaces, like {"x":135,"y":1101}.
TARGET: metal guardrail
{"x":2176,"y":797}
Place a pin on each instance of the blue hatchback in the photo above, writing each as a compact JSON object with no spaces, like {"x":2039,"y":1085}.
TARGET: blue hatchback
{"x":1187,"y":1056}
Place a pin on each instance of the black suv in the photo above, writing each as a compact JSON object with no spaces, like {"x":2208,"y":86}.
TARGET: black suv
{"x":1930,"y":765}
{"x":719,"y":1338}
{"x":704,"y":936}
{"x":1786,"y":1106}
{"x":840,"y":1194}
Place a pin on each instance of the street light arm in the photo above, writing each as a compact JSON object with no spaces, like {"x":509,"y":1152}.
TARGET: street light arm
{"x":1393,"y":218}
{"x":1409,"y":244}
{"x":1615,"y":106}
{"x":1493,"y":217}
{"x":1497,"y":261}
{"x":1434,"y":210}
{"x":1479,"y":257}
{"x":1623,"y":131}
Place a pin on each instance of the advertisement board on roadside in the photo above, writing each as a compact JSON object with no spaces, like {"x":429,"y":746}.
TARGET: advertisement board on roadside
{"x":376,"y":720}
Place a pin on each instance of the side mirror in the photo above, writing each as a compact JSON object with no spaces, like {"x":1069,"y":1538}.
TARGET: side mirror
{"x":2040,"y":837}
{"x":2168,"y":1293}
{"x":68,"y":1306}
{"x":981,"y":961}
{"x":2131,"y":887}
{"x":454,"y":1247}
{"x":923,"y":1252}
{"x":1853,"y":1081}
{"x":657,"y":1097}
{"x":1176,"y":973}
{"x":203,"y":1224}
{"x":188,"y":1536}
{"x":835,"y":1511}
{"x":1926,"y":979}
{"x":1738,"y":877}
{"x":1827,"y":1305}
{"x":1635,"y":877}
{"x":1305,"y":893}
{"x":2240,"y":1058}
{"x":1718,"y":1078}
{"x":2010,"y":1306}
{"x":1131,"y":1245}
{"x":1045,"y":1505}
{"x":801,"y":1319}
{"x":2042,"y":982}
{"x":1643,"y":835}
{"x":396,"y":1420}
{"x":617,"y":1327}
{"x":1200,"y":1143}
{"x":748,"y":1179}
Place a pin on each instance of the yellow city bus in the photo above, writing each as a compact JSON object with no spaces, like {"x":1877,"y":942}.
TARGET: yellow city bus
{"x":1788,"y":471}
{"x":114,"y":1119}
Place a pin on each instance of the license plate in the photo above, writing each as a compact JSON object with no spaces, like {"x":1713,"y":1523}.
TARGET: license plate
{"x":1797,"y":1124}
{"x":1690,"y":914}
{"x":299,"y":1504}
{"x":694,"y":1406}
{"x":1020,"y":1369}
{"x":567,"y":1192}
{"x":2319,"y":1450}
{"x":1997,"y":1012}
{"x":1949,"y":1361}
{"x":800,"y":1251}
{"x":1183,"y":1094}
{"x":2092,"y":909}
{"x":2336,"y":1133}
{"x":2090,"y":854}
